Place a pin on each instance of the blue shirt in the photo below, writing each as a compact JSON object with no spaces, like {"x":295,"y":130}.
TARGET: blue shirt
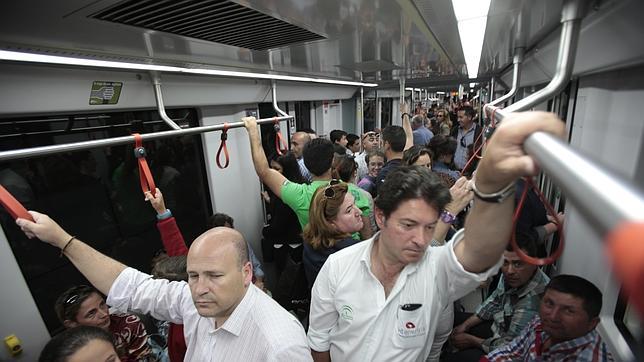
{"x":422,"y":136}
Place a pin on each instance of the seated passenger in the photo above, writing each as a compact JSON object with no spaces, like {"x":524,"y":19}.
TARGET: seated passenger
{"x":218,"y":306}
{"x":511,"y":306}
{"x":333,"y":218}
{"x":381,"y":299}
{"x":85,"y":306}
{"x":564,"y":329}
{"x":80,"y":344}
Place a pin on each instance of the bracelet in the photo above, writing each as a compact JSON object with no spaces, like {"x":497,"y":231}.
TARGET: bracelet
{"x":66,"y":245}
{"x":405,"y":114}
{"x":164,"y":215}
{"x":496,"y":197}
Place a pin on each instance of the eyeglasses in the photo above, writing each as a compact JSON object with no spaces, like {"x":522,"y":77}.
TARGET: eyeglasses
{"x":329,"y":191}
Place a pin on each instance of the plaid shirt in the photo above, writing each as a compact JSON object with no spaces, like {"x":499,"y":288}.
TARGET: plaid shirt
{"x":587,"y":348}
{"x":511,"y":310}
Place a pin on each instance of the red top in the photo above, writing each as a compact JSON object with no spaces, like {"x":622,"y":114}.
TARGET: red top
{"x":174,"y":245}
{"x":130,"y":338}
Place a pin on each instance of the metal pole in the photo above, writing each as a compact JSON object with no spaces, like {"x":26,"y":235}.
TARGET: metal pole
{"x":156,"y":80}
{"x":77,"y":146}
{"x":516,"y":74}
{"x":275,"y":107}
{"x":360,"y":125}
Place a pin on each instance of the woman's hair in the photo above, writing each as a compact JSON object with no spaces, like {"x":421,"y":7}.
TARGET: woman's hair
{"x":344,"y":167}
{"x":325,"y":206}
{"x":64,"y":345}
{"x":411,"y":155}
{"x":374,"y":153}
{"x":69,"y":302}
{"x":442,"y":145}
{"x":290,"y":167}
{"x":172,"y":268}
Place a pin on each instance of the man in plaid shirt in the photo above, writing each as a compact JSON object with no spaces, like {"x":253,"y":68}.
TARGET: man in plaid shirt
{"x":564,"y":330}
{"x":508,"y":309}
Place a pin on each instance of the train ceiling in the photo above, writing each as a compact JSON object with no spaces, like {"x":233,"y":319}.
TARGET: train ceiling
{"x":378,"y":40}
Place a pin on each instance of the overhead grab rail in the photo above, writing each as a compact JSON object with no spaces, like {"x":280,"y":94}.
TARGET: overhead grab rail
{"x":280,"y":145}
{"x":613,"y":207}
{"x":156,"y":80}
{"x":85,"y":145}
{"x":516,"y":74}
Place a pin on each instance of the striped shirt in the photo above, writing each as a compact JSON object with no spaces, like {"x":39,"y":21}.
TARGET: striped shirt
{"x":258,"y":329}
{"x":511,"y":309}
{"x":525,"y":347}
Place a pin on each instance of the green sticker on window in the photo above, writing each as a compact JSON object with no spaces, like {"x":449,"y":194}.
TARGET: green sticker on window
{"x":105,"y":93}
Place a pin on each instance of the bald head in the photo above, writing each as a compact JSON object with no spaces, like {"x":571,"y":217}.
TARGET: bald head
{"x":214,"y":240}
{"x":298,"y":140}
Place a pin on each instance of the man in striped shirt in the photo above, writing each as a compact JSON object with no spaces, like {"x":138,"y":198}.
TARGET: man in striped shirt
{"x":564,"y":330}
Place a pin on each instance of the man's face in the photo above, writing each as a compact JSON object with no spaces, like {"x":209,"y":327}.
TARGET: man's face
{"x":355,"y":147}
{"x":343,"y":141}
{"x":369,"y":141}
{"x":406,"y":233}
{"x":464,"y":120}
{"x":563,"y":316}
{"x":216,"y":280}
{"x":93,"y":312}
{"x":516,"y":272}
{"x":297,"y":144}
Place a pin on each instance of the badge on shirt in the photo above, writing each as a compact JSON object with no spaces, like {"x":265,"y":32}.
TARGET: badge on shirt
{"x":346,"y":313}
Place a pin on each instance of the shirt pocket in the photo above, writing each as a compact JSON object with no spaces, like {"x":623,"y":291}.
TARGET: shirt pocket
{"x":410,"y":329}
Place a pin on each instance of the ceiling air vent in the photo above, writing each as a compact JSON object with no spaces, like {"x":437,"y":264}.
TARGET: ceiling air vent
{"x":219,"y":21}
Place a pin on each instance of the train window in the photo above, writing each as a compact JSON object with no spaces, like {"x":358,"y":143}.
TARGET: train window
{"x":628,"y":322}
{"x":96,"y":195}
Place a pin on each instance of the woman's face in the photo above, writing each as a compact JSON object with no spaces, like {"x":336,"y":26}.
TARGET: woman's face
{"x":93,"y":312}
{"x":424,"y":160}
{"x":375,"y":164}
{"x":349,"y":217}
{"x":277,"y":167}
{"x":96,"y":350}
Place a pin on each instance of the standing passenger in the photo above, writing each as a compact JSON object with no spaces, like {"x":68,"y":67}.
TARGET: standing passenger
{"x":298,"y":141}
{"x":369,"y":143}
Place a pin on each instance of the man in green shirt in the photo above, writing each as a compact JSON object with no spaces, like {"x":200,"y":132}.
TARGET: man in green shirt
{"x":318,"y":159}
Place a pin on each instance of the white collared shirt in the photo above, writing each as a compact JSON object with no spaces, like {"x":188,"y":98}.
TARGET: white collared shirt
{"x":351,"y":318}
{"x":259,"y":329}
{"x":363,"y":169}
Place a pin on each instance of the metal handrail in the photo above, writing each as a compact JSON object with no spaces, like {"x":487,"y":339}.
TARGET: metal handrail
{"x":516,"y":74}
{"x":84,"y":145}
{"x":613,"y":200}
{"x":156,"y":80}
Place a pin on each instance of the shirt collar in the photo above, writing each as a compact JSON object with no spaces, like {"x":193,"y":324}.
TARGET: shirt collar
{"x":538,"y":280}
{"x":235,"y":322}
{"x":365,"y":258}
{"x":564,"y":347}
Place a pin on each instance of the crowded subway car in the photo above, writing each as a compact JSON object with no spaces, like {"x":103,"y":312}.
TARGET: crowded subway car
{"x":347,"y":180}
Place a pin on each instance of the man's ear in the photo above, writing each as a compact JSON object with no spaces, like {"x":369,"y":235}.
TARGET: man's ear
{"x":247,"y":271}
{"x":69,"y":324}
{"x":380,"y":217}
{"x":593,"y":323}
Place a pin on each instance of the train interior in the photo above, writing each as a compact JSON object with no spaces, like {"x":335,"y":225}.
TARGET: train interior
{"x":215,"y":61}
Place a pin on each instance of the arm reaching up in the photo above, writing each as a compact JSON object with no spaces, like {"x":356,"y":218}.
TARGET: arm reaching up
{"x":271,"y":178}
{"x":171,"y":236}
{"x":404,"y":111}
{"x":99,"y":269}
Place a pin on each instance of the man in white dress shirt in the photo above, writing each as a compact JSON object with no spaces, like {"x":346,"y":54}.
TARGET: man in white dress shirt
{"x":381,"y":299}
{"x":225,"y":317}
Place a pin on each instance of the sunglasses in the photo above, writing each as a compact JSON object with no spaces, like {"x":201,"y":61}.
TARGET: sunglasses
{"x":329,"y":191}
{"x":72,"y":299}
{"x":463,"y":142}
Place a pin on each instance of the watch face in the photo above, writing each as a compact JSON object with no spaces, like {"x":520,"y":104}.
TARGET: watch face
{"x":447,"y":218}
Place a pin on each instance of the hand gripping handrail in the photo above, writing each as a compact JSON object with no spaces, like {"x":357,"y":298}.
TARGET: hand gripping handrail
{"x":84,"y":145}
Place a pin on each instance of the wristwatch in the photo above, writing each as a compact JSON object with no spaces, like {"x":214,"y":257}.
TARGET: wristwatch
{"x":447,"y":217}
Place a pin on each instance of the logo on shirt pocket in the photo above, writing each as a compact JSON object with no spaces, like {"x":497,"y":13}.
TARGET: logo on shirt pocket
{"x":411,"y":330}
{"x":346,"y":313}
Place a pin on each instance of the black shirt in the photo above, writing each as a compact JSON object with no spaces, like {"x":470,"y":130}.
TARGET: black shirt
{"x":385,"y":170}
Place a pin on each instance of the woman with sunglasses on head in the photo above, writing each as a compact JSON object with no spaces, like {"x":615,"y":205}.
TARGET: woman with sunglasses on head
{"x":333,"y":217}
{"x":85,"y":306}
{"x":80,"y":344}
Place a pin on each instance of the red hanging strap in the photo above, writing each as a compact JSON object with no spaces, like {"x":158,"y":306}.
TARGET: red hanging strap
{"x":489,"y":130}
{"x":222,"y":146}
{"x":145,"y":176}
{"x":560,"y":248}
{"x":13,"y":206}
{"x":280,"y":145}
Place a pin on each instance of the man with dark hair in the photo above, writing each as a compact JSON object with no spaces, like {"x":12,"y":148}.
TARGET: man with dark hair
{"x":512,"y":305}
{"x":225,"y":316}
{"x":468,"y":137}
{"x":339,"y":137}
{"x":422,"y":134}
{"x":564,"y":330}
{"x":353,"y":146}
{"x":381,"y":299}
{"x":395,"y":140}
{"x":318,"y":158}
